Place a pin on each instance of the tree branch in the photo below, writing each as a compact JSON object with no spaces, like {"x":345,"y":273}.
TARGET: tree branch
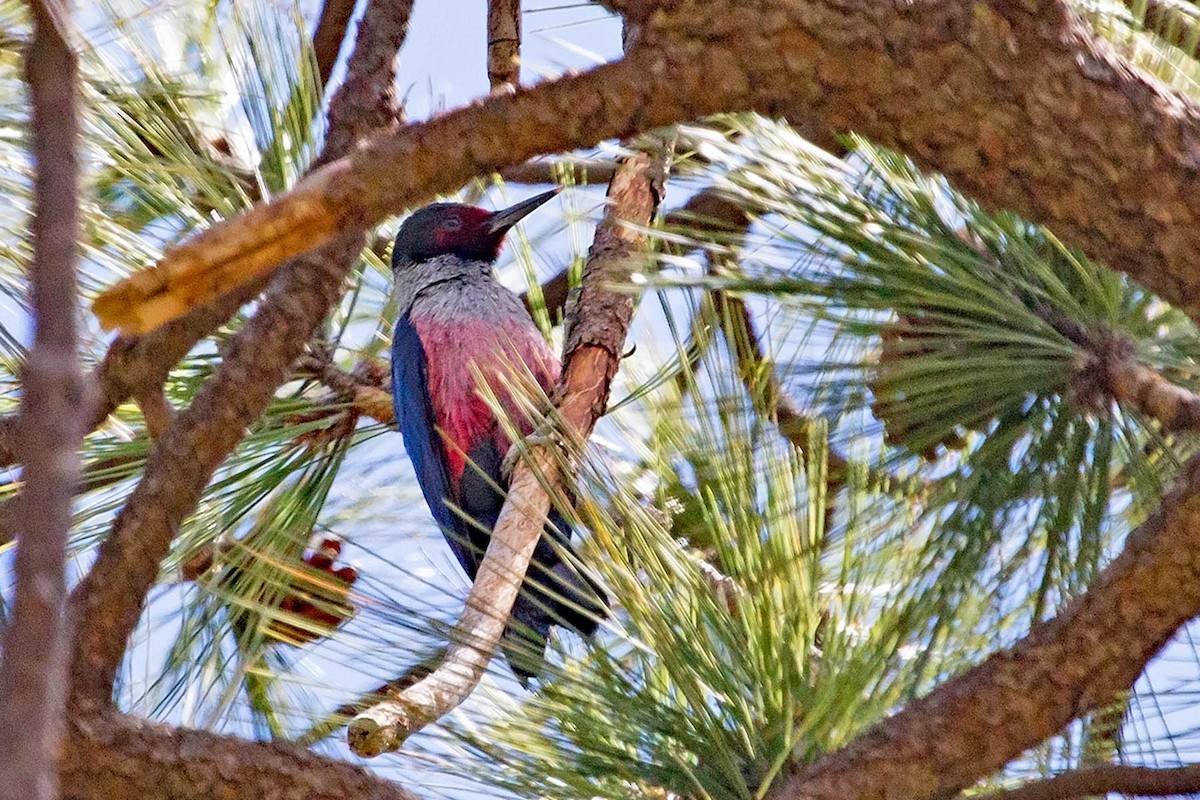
{"x":598,"y":322}
{"x":108,"y":602}
{"x":329,"y":35}
{"x":504,"y":45}
{"x":110,"y":756}
{"x":1107,"y":779}
{"x":32,"y":672}
{"x":974,"y":724}
{"x":1004,"y":98}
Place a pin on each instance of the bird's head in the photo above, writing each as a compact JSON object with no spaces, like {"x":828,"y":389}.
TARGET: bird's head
{"x":456,"y":229}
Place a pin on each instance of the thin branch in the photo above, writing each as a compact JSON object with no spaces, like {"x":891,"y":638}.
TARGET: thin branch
{"x":1105,"y":780}
{"x":33,"y":670}
{"x":504,"y":45}
{"x":1091,"y":653}
{"x":595,"y":337}
{"x":343,"y":714}
{"x":113,"y":756}
{"x":329,"y":35}
{"x":108,"y":602}
{"x":578,"y":171}
{"x":554,"y":295}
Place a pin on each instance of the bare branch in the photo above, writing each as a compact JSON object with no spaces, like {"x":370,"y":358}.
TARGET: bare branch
{"x":112,"y":756}
{"x":580,"y":171}
{"x":504,"y":45}
{"x":33,"y":670}
{"x":974,"y":724}
{"x":598,"y":322}
{"x":107,"y":603}
{"x":329,"y":35}
{"x":1107,"y":779}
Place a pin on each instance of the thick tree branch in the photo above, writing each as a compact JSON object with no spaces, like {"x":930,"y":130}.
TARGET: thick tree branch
{"x":112,"y":756}
{"x":108,"y":602}
{"x":1020,"y":105}
{"x":1092,"y":652}
{"x":1105,"y":780}
{"x":598,"y":322}
{"x":504,"y":44}
{"x":33,"y":670}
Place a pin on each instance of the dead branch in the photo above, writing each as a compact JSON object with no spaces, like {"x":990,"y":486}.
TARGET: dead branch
{"x":598,"y":322}
{"x":108,"y":602}
{"x":1091,"y":653}
{"x":1107,"y":779}
{"x":111,"y":756}
{"x":33,"y":670}
{"x":504,"y":45}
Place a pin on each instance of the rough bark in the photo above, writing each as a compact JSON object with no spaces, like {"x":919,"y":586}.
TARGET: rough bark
{"x":504,"y":44}
{"x":597,"y":324}
{"x":33,"y":670}
{"x":1020,"y":105}
{"x":1108,"y":779}
{"x":108,"y":602}
{"x":111,"y":756}
{"x":1083,"y":659}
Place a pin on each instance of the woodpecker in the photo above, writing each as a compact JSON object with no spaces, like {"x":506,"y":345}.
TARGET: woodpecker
{"x":456,"y":320}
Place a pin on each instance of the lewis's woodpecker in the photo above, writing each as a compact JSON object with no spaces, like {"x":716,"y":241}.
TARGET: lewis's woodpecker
{"x":455,"y":314}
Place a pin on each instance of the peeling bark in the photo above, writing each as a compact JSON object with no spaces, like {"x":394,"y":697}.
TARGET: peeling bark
{"x":598,"y":321}
{"x":33,"y":670}
{"x":108,"y":602}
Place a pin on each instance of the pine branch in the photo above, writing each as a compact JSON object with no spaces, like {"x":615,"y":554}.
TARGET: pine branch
{"x":112,"y":756}
{"x":1021,"y":114}
{"x":504,"y":45}
{"x":105,"y":607}
{"x":1107,"y":779}
{"x":1091,"y":653}
{"x":33,"y":670}
{"x":598,"y":321}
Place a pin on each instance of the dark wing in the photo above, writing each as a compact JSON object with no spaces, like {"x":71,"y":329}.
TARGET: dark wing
{"x":418,"y":426}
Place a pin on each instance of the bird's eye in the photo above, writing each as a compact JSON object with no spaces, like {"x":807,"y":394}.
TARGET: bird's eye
{"x":452,"y":223}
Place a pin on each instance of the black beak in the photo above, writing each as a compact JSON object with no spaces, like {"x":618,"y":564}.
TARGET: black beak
{"x":504,"y":219}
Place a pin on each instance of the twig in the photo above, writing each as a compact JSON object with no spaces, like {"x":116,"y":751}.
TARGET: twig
{"x":504,"y":45}
{"x":156,"y":410}
{"x":32,"y":672}
{"x":329,"y":35}
{"x":108,"y":602}
{"x":341,"y":715}
{"x":597,"y":323}
{"x":554,"y":295}
{"x":1107,"y":779}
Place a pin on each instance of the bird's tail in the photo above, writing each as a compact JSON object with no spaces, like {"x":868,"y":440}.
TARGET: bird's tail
{"x":562,"y":595}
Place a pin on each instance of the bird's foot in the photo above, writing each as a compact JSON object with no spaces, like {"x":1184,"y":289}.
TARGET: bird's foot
{"x":548,"y":437}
